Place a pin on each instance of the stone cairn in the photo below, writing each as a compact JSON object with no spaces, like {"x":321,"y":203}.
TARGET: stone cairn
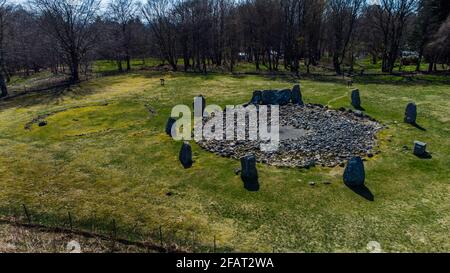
{"x":354,"y":174}
{"x":420,"y":149}
{"x":411,"y":113}
{"x":186,"y":155}
{"x":170,"y":122}
{"x":249,"y":173}
{"x":356,"y":99}
{"x":277,"y":97}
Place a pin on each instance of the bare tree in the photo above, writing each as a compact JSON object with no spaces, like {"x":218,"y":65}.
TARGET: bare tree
{"x":70,"y":22}
{"x":390,"y":18}
{"x":123,"y":12}
{"x":342,"y":15}
{"x":4,"y":12}
{"x":159,"y":15}
{"x":438,"y":48}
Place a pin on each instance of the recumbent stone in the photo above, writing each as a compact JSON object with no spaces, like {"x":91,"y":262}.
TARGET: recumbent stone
{"x":276,"y":97}
{"x":256,"y":98}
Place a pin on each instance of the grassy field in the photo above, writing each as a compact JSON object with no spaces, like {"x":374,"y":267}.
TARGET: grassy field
{"x":104,"y":155}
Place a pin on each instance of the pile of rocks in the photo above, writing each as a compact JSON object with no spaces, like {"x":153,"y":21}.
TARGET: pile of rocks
{"x":309,"y":135}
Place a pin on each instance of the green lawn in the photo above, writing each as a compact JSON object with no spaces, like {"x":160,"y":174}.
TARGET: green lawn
{"x":104,"y":155}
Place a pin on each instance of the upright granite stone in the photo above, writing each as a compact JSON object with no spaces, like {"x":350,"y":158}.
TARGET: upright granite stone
{"x":356,"y":99}
{"x":170,"y":122}
{"x":411,"y":113}
{"x":256,"y":98}
{"x":186,"y":155}
{"x":200,"y":99}
{"x":296,"y":95}
{"x":354,"y":174}
{"x":249,"y":174}
{"x":276,"y":97}
{"x":420,"y":149}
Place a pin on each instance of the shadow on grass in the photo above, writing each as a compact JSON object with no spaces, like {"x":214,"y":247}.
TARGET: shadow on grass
{"x":360,"y":108}
{"x":418,"y":126}
{"x":363,"y":191}
{"x":426,"y":155}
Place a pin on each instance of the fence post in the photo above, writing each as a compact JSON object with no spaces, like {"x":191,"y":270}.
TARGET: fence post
{"x":160,"y":236}
{"x":27,"y":214}
{"x":214,"y":246}
{"x":193,"y":242}
{"x":70,"y":220}
{"x":114,"y":235}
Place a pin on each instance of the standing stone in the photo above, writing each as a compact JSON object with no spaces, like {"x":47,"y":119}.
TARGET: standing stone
{"x":356,"y":100}
{"x":420,"y":148}
{"x":186,"y":155}
{"x":170,"y":122}
{"x":257,"y":97}
{"x":411,"y":113}
{"x":249,"y":174}
{"x":296,"y":96}
{"x":201,"y":99}
{"x":354,"y":174}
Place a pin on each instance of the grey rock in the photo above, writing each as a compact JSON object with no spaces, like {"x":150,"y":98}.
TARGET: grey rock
{"x":249,"y":173}
{"x":296,"y":95}
{"x":358,"y":113}
{"x":354,"y":174}
{"x":411,"y":113}
{"x":186,"y":155}
{"x":420,"y":148}
{"x":356,"y":100}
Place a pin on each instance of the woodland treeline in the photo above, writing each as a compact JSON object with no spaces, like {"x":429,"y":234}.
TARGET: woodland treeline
{"x":66,"y":36}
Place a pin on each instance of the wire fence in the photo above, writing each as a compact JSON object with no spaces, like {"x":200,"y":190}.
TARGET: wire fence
{"x":159,"y":239}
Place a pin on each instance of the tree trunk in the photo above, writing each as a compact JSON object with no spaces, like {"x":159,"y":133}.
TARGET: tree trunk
{"x":3,"y":88}
{"x":74,"y":71}
{"x":374,"y":58}
{"x":419,"y":61}
{"x":430,"y":67}
{"x":128,"y":62}
{"x":336,"y":64}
